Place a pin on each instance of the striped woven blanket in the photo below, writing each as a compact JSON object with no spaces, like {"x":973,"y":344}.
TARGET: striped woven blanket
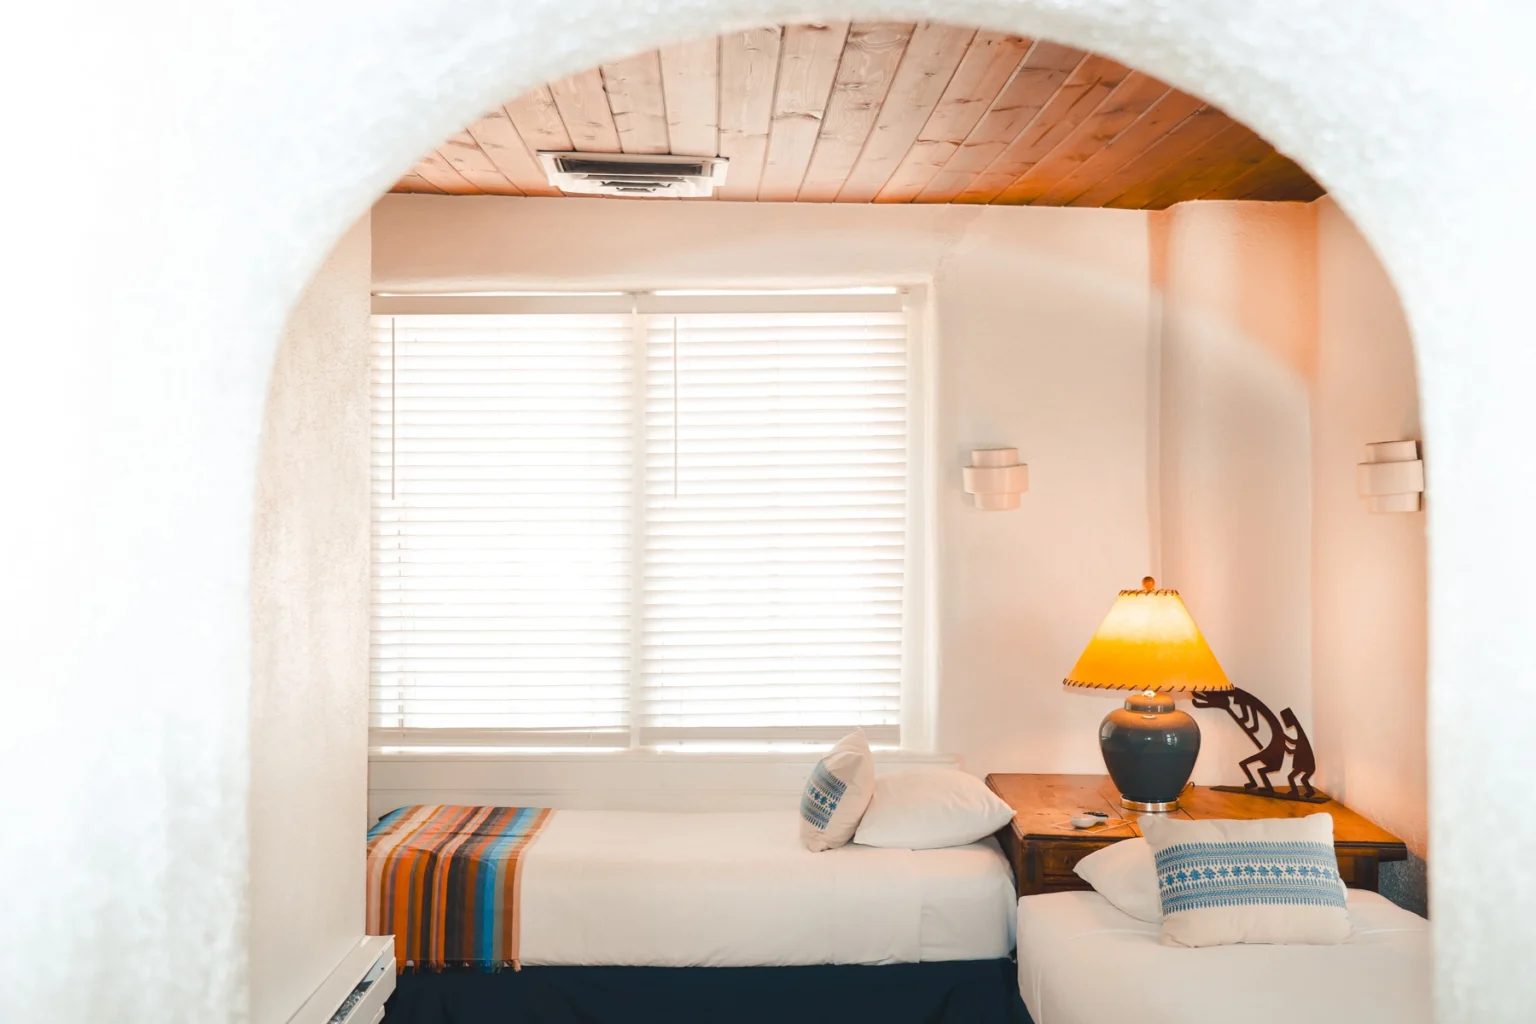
{"x":444,"y":882}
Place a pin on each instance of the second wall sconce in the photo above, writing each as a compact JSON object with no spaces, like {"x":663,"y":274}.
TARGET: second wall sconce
{"x":1391,"y":478}
{"x":995,"y":479}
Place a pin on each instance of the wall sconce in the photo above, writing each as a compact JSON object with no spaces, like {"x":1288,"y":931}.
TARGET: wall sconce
{"x":995,"y":479}
{"x":1392,"y":476}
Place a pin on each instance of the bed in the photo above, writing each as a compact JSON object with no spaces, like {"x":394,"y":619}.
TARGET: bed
{"x":630,"y":916}
{"x":1081,"y":961}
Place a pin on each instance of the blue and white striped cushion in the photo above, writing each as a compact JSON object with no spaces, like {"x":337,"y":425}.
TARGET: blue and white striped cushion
{"x":837,"y":793}
{"x":1272,"y":880}
{"x":823,"y":791}
{"x":1197,"y":876}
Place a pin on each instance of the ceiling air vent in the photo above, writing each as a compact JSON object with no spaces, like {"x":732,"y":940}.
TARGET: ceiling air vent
{"x":634,"y":174}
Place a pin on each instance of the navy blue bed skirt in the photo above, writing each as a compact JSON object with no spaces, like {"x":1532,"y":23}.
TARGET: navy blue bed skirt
{"x":956,"y":992}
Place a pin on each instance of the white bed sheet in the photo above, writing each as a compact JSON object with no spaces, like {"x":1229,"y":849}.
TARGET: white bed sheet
{"x":739,"y":889}
{"x":1081,"y":961}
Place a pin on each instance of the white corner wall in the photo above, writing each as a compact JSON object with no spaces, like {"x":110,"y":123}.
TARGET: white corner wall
{"x":1237,"y":340}
{"x":1040,"y":319}
{"x":1369,"y":597}
{"x":308,"y":785}
{"x":1042,"y":344}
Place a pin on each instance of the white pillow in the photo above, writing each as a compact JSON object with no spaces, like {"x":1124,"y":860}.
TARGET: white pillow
{"x":924,"y":810}
{"x":1273,"y":880}
{"x":836,"y":793}
{"x":1124,"y":874}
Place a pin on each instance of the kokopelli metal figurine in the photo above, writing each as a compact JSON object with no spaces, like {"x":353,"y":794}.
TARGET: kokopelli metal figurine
{"x":1251,"y":714}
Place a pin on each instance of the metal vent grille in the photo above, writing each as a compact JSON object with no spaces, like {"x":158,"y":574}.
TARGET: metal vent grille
{"x":622,"y":174}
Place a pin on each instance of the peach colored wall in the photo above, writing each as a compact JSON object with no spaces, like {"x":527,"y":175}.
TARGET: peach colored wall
{"x":1162,"y":375}
{"x":309,"y":623}
{"x":1283,"y":352}
{"x":1156,"y":372}
{"x":1236,"y":342}
{"x":1041,"y":341}
{"x":1368,"y":622}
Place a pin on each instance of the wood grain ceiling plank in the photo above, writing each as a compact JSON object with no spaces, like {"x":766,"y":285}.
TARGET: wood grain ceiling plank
{"x":868,"y":66}
{"x":1131,"y":98}
{"x":1163,"y":115}
{"x":988,"y":64}
{"x":1231,"y":154}
{"x":880,"y":112}
{"x":690,"y":82}
{"x":1038,"y":78}
{"x":465,"y":155}
{"x":537,"y":119}
{"x":1132,"y":186}
{"x":436,"y":169}
{"x":583,"y":106}
{"x":933,"y":55}
{"x":635,"y":98}
{"x":807,"y":68}
{"x":416,"y":183}
{"x":749,"y":69}
{"x":1276,"y":178}
{"x":500,"y":141}
{"x":1085,"y":89}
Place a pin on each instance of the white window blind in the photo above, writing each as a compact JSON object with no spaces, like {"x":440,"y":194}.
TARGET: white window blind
{"x":775,"y":536}
{"x":501,"y":527}
{"x":685,"y":523}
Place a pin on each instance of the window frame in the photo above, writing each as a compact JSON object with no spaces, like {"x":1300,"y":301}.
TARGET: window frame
{"x":919,"y":649}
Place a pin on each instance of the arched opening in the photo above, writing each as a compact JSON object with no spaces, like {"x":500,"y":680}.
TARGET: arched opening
{"x":176,"y":549}
{"x":1161,"y":359}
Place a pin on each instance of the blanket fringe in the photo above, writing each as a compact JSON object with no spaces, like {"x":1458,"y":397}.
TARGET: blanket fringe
{"x":450,"y":966}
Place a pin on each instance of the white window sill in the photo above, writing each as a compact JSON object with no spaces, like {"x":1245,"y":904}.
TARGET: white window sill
{"x":608,"y":780}
{"x":409,"y":755}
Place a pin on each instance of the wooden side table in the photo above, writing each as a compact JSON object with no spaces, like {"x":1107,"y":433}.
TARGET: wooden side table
{"x":1043,"y":856}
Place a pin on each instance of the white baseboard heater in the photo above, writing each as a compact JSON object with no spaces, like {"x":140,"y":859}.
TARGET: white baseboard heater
{"x":355,"y":991}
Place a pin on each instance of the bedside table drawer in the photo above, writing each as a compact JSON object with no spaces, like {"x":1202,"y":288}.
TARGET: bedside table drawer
{"x":1056,"y":860}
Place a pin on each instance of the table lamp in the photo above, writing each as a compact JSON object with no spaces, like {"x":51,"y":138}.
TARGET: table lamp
{"x":1149,"y":643}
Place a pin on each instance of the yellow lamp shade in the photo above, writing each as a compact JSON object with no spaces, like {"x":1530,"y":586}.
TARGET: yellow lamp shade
{"x":1148,"y":641}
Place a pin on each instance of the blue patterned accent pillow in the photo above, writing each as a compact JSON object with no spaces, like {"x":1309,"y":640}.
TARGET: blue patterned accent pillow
{"x":837,"y":793}
{"x":822,"y":792}
{"x":1270,"y":880}
{"x":1195,"y":876}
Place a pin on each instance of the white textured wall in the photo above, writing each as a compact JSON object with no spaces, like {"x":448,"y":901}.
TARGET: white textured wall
{"x":1236,"y":342}
{"x":1041,"y":323}
{"x":150,"y":271}
{"x":309,"y":657}
{"x":1369,"y":650}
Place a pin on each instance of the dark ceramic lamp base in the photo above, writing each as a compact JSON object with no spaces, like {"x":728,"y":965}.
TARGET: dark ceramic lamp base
{"x":1149,"y":747}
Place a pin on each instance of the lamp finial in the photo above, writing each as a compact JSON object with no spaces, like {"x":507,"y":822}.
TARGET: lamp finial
{"x":1148,"y":583}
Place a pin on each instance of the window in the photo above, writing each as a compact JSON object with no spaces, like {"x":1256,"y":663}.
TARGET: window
{"x":662,"y":519}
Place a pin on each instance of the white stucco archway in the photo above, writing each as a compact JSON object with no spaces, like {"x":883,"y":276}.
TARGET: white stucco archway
{"x":215,"y":153}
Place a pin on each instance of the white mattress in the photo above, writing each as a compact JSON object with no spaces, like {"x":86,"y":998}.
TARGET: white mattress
{"x":1081,"y":961}
{"x":739,"y":889}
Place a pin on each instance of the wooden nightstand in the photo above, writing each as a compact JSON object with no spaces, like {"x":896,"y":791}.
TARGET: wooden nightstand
{"x":1043,"y":857}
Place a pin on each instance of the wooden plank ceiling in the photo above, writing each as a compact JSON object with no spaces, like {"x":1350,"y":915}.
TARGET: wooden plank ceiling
{"x":885,"y":113}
